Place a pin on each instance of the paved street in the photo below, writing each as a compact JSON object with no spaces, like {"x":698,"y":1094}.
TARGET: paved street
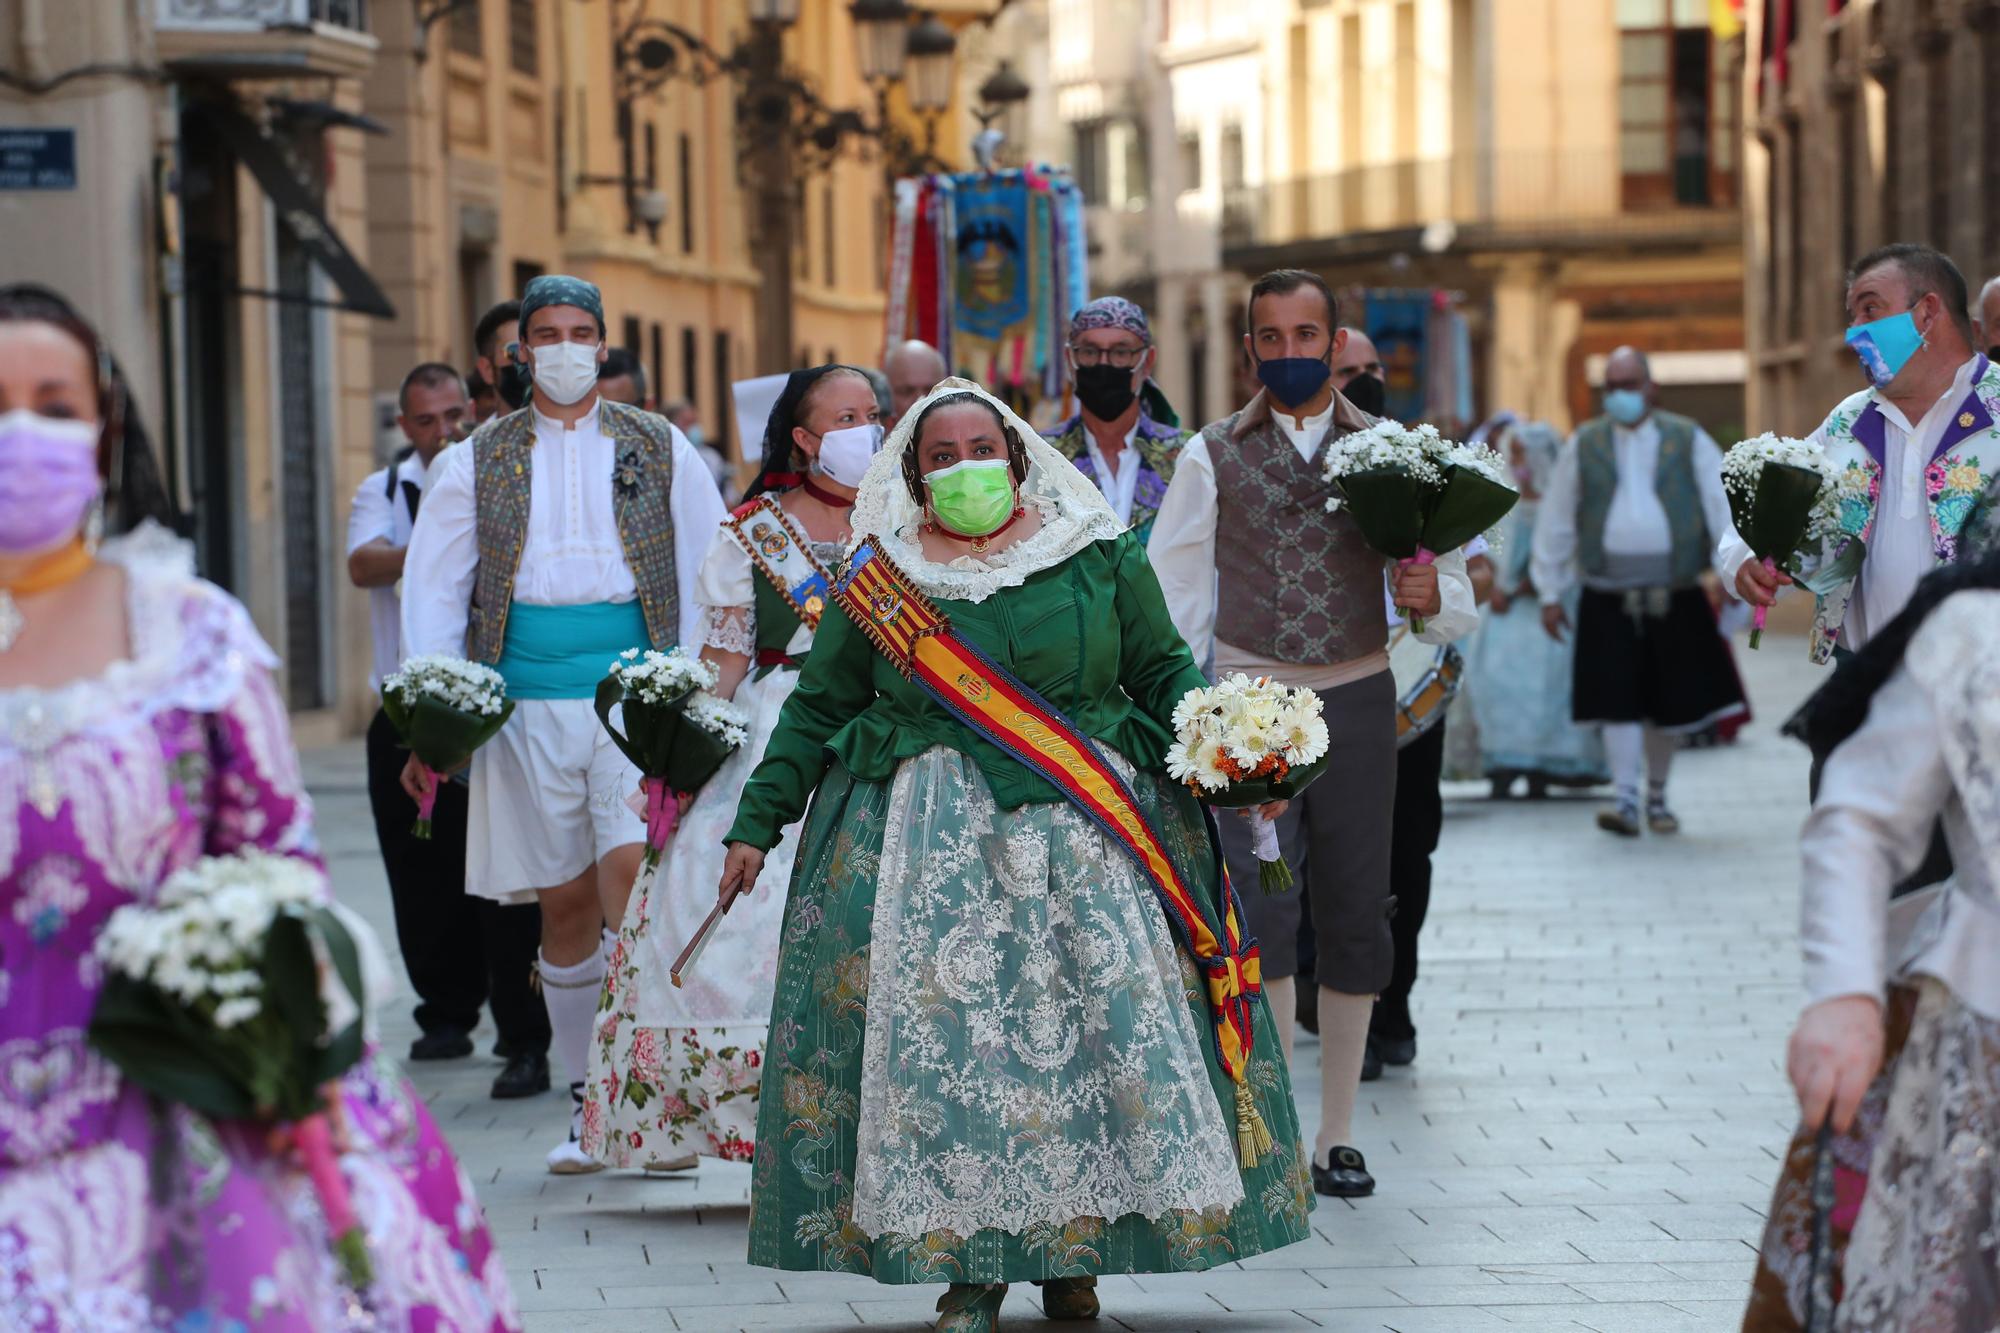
{"x":1586,"y":1141}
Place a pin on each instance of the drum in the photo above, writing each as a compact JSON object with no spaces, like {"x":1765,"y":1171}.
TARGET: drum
{"x":1427,"y":680}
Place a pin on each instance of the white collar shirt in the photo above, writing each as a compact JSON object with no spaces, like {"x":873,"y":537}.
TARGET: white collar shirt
{"x":386,"y":511}
{"x":1119,"y":485}
{"x":1900,"y":548}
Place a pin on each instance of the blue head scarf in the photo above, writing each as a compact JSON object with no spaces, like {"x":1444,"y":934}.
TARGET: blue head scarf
{"x":560,"y":289}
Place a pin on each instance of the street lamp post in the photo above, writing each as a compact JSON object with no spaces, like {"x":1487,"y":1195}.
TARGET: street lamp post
{"x":783,"y":128}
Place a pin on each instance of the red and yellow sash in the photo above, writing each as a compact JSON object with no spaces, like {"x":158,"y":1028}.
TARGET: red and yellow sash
{"x":918,"y":641}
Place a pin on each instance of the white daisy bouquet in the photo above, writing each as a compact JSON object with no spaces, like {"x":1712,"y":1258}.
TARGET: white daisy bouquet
{"x":676,"y":733}
{"x":1243,"y":742}
{"x":238,"y":991}
{"x":444,"y":708}
{"x":1414,"y":493}
{"x":1787,"y":497}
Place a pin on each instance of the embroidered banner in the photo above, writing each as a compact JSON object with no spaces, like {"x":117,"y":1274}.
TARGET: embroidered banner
{"x":779,"y":551}
{"x":918,"y":641}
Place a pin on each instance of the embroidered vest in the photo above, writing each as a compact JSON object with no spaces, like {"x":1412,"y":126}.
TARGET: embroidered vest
{"x":1673,"y":482}
{"x":642,"y":479}
{"x":1296,"y":583}
{"x":1157,"y":448}
{"x":1961,"y":484}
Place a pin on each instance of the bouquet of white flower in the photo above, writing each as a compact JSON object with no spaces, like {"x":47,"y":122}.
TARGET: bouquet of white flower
{"x":675,"y":732}
{"x":1414,"y":493}
{"x":1241,"y":743}
{"x":239,"y":991}
{"x":444,"y":708}
{"x":1786,"y":497}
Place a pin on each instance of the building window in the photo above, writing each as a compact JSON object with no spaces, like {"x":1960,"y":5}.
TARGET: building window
{"x":1351,"y":118}
{"x":1666,"y":103}
{"x":466,"y":26}
{"x":690,"y":365}
{"x":1232,"y":157}
{"x":1090,"y":161}
{"x":1989,"y":41}
{"x":525,"y":273}
{"x":659,"y":363}
{"x":829,"y":242}
{"x":725,"y":408}
{"x":1132,"y":191}
{"x":634,"y":332}
{"x":687,"y":194}
{"x":522,"y":47}
{"x":1190,"y":157}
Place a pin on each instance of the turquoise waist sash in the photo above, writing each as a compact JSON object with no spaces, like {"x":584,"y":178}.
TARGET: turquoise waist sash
{"x":561,"y":652}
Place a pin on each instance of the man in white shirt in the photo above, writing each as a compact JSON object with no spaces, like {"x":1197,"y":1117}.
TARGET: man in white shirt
{"x":1124,"y":436}
{"x":437,"y":924}
{"x":1259,"y":575}
{"x":560,"y":536}
{"x":1927,"y":436}
{"x":1632,"y":509}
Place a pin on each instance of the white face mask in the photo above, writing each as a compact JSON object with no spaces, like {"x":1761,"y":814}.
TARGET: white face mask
{"x":844,"y":454}
{"x":565,"y":371}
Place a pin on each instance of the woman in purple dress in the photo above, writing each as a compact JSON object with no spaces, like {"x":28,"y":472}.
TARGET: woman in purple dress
{"x":140,"y":730}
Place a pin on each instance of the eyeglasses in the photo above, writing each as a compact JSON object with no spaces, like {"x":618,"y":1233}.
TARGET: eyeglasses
{"x":1122,"y":357}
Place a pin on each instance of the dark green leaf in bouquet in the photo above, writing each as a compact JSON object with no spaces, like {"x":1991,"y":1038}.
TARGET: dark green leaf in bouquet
{"x":439,"y":734}
{"x":660,"y":739}
{"x":1470,"y":503}
{"x":1388,"y":505}
{"x":291,"y":982}
{"x":1772,"y":520}
{"x":173,"y":1054}
{"x":344,"y":1048}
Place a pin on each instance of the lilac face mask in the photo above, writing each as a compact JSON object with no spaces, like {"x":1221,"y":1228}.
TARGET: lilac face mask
{"x":48,"y":477}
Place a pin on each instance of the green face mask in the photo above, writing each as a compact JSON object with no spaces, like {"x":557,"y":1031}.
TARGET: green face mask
{"x":974,"y":497}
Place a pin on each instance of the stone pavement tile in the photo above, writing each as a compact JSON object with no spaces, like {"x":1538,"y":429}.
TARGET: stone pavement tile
{"x":918,"y":1308}
{"x":601,"y":1321}
{"x":1704,"y":1317}
{"x":814,"y":1315}
{"x":1407,"y":1276}
{"x":1352,"y":1254}
{"x":1689,"y":1221}
{"x":1739,"y":1271}
{"x":1674,"y":1292}
{"x":637,"y":1296}
{"x":1667,"y":1251}
{"x":1580,"y":1271}
{"x":1268,"y":1291}
{"x":1495,"y":1251}
{"x":1491,"y":1296}
{"x":1416,"y":1319}
{"x":1223,"y":1321}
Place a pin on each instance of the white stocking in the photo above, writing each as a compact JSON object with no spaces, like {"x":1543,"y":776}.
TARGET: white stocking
{"x":1343,"y":1042}
{"x":571,"y":995}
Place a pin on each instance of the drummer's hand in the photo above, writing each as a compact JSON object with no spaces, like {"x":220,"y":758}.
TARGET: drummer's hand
{"x":740,"y":869}
{"x":1835,"y":1053}
{"x":1417,"y":589}
{"x":1555,"y":621}
{"x":1272,"y":809}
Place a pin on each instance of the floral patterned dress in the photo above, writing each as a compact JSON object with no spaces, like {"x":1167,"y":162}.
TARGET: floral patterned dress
{"x":677,"y":1069}
{"x":118,"y":1212}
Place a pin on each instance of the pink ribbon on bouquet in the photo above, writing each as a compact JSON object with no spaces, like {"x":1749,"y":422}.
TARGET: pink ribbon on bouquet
{"x":1422,"y":557}
{"x":663,"y":812}
{"x":314,"y":1138}
{"x":427,"y":803}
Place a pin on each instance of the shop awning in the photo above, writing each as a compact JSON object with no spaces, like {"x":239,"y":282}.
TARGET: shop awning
{"x":299,"y":213}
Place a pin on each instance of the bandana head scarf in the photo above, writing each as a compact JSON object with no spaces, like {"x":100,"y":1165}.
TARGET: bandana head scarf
{"x":1110,"y":312}
{"x":560,"y":289}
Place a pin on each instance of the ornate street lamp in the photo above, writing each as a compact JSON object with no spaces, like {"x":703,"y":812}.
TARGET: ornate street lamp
{"x":931,"y":48}
{"x":882,"y":29}
{"x":784,"y":13}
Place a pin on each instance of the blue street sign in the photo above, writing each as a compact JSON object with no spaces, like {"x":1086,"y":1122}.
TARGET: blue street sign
{"x":37,"y":159}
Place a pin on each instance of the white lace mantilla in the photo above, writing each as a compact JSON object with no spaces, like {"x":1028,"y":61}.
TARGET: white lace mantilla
{"x":1030,"y":1056}
{"x":1073,"y":511}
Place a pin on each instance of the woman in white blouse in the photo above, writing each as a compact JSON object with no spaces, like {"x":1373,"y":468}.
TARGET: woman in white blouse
{"x":1887,"y":1214}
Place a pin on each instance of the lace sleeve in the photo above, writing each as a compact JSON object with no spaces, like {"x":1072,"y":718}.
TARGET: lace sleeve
{"x":733,"y":629}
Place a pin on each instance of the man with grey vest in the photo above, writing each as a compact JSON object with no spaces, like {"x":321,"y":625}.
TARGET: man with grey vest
{"x":1294,"y":593}
{"x":1634,"y":507}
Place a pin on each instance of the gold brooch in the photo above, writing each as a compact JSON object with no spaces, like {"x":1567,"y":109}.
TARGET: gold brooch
{"x":1965,"y":419}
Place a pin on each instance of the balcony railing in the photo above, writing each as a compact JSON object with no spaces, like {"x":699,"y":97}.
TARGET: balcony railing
{"x":217,"y":16}
{"x":1586,"y":192}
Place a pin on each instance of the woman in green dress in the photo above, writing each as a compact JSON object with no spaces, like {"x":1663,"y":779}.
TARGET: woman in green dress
{"x":989,"y":1059}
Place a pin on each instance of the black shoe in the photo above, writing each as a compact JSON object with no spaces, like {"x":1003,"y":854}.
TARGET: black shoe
{"x":1396,"y":1051}
{"x":1345,"y":1175}
{"x":525,"y":1075}
{"x":442,"y":1044}
{"x":501,"y":1050}
{"x":1371,"y":1062}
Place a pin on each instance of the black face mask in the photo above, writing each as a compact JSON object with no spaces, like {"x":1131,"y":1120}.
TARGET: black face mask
{"x":513,"y":386}
{"x":1368,"y":393}
{"x":1104,"y":391}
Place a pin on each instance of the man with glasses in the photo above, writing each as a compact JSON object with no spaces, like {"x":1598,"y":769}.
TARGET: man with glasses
{"x":1124,"y":436}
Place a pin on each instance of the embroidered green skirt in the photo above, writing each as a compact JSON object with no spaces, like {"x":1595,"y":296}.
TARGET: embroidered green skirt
{"x":989,"y":1061}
